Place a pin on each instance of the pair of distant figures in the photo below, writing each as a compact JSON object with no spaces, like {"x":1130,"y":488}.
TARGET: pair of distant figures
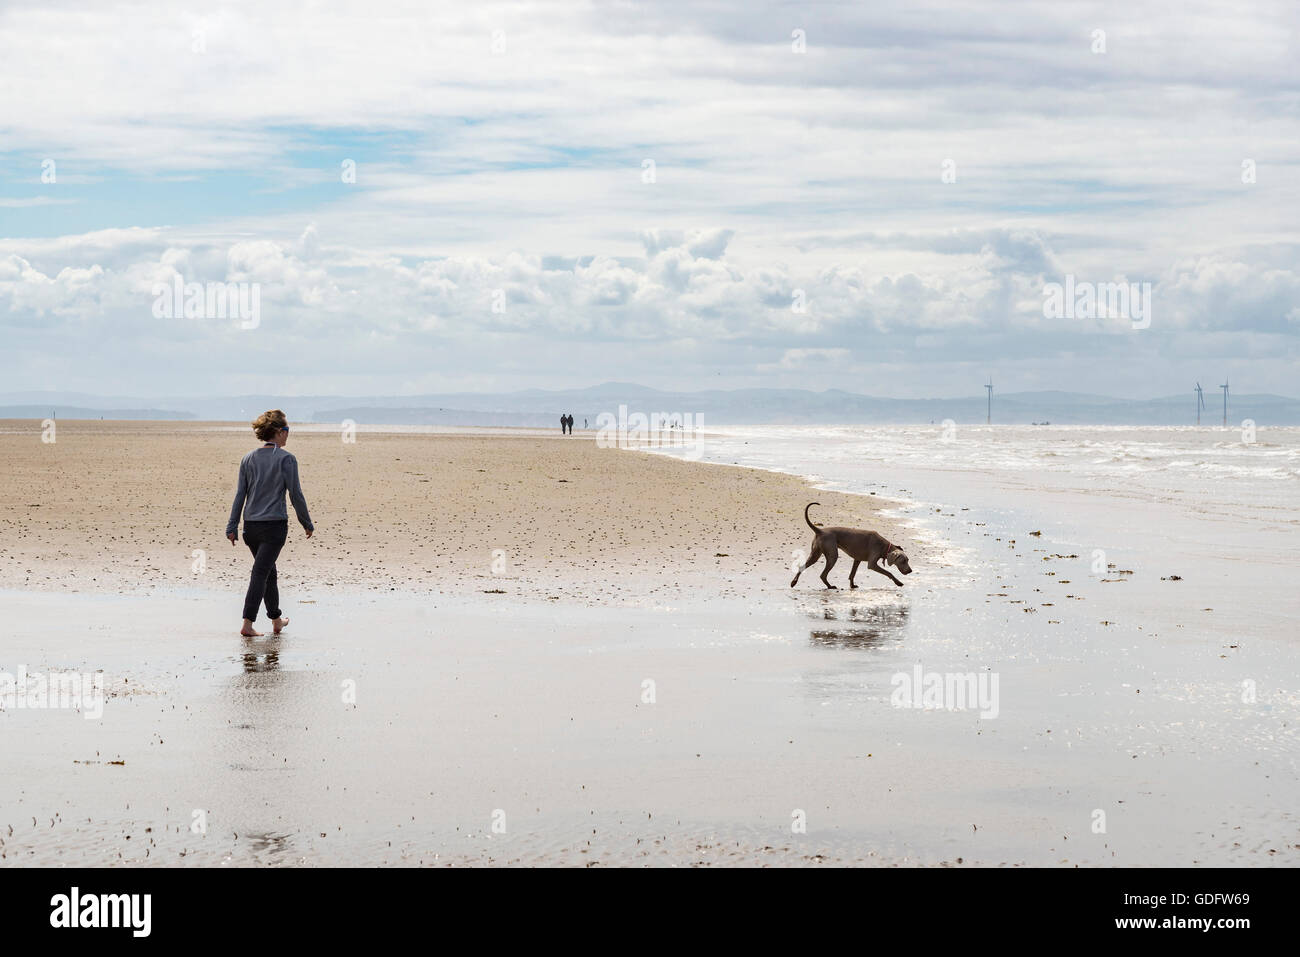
{"x":566,"y":424}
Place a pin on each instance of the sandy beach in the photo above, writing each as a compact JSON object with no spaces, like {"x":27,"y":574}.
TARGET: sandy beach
{"x":639,"y":685}
{"x":123,"y":506}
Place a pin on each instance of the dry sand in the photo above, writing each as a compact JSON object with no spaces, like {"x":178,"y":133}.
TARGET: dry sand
{"x":122,"y":506}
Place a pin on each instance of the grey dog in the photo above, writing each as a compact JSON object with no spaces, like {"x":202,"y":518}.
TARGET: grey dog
{"x":859,"y":544}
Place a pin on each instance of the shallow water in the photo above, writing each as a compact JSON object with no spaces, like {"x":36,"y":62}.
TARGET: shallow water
{"x":1220,"y":513}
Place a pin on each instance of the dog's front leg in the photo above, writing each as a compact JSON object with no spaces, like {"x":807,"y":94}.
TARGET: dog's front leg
{"x":853,"y":571}
{"x":876,"y":568}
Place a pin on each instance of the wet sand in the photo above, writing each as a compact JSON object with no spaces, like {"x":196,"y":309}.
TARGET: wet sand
{"x":396,"y":730}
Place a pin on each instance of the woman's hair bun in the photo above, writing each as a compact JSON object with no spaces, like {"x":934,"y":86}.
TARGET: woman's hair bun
{"x":269,"y":423}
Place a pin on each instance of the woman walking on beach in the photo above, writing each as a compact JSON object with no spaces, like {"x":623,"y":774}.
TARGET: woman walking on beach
{"x":265,"y":474}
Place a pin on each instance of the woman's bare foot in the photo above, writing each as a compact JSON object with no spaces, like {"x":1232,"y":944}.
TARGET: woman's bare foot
{"x":248,"y":632}
{"x":280,"y":624}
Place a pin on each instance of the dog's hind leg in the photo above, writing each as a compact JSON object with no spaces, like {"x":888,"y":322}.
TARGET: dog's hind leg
{"x":853,"y":571}
{"x":831,"y":557}
{"x":812,"y":560}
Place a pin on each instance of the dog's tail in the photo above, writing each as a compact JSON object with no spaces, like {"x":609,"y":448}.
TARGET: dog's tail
{"x":809,"y":520}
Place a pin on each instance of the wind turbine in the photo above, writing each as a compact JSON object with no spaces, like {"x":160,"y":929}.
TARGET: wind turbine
{"x":1224,"y":387}
{"x":988,"y":420}
{"x":1200,"y":403}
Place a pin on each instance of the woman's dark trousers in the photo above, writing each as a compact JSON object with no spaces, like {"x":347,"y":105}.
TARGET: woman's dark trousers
{"x":264,"y":540}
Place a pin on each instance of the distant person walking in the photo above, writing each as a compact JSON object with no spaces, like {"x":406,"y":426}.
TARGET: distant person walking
{"x":564,"y":423}
{"x":265,"y":474}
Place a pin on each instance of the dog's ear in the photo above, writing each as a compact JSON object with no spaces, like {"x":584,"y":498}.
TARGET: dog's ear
{"x":890,"y":558}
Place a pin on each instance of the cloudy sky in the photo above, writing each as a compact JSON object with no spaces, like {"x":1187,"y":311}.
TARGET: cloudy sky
{"x":438,"y":197}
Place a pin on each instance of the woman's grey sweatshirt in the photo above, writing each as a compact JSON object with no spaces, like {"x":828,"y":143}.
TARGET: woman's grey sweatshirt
{"x":265,"y":474}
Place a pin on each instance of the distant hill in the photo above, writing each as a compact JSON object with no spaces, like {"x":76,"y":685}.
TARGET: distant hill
{"x":538,"y":407}
{"x":85,"y":412}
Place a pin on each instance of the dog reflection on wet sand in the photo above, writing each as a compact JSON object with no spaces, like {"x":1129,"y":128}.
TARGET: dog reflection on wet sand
{"x":862,"y":627}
